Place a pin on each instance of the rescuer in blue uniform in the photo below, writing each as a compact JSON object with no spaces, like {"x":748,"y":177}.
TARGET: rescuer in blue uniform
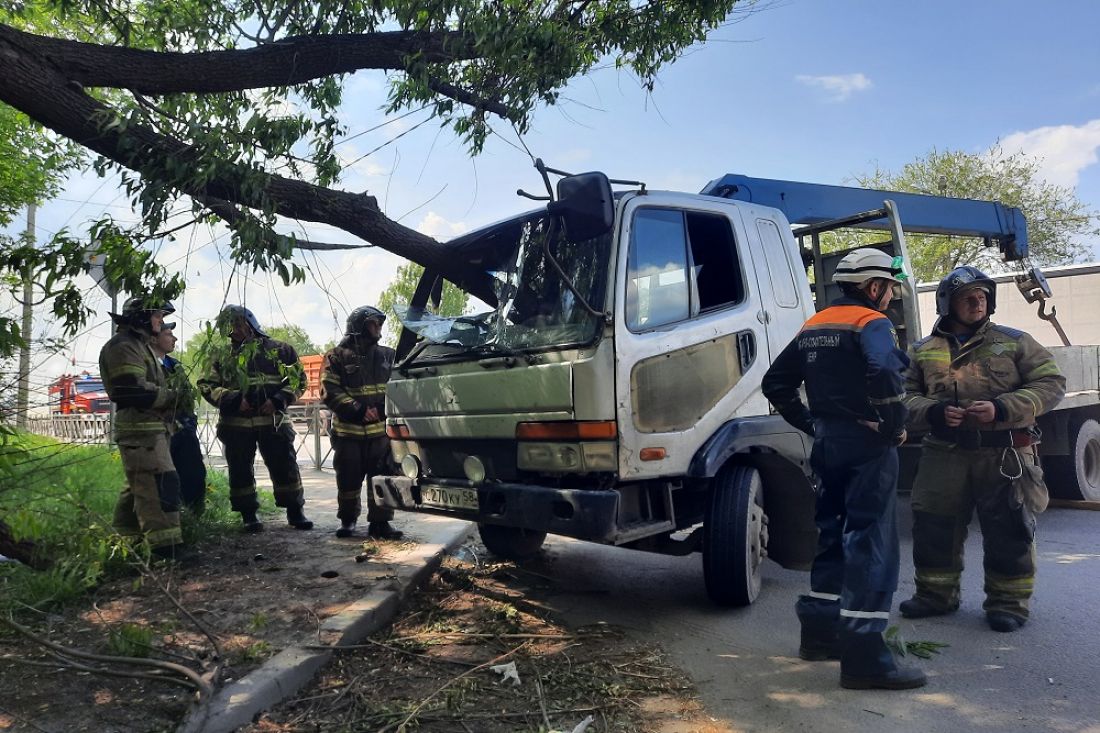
{"x":848,"y":357}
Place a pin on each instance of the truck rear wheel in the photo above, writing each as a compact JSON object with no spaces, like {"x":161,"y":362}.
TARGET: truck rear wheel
{"x":511,"y":543}
{"x":1078,"y":475}
{"x":735,"y":537}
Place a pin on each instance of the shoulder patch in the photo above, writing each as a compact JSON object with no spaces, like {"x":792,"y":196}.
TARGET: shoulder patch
{"x":1013,"y":333}
{"x":921,"y":342}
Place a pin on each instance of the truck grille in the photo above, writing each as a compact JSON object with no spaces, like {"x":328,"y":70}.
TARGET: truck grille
{"x":443,"y":458}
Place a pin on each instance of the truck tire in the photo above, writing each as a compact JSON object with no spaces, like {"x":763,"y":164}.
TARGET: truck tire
{"x":735,"y":537}
{"x":1078,"y":475}
{"x":511,"y":543}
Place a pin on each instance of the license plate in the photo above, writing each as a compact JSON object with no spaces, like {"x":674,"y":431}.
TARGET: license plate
{"x":449,"y":497}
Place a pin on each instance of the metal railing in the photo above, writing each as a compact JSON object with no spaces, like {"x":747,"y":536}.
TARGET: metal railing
{"x":310,"y":423}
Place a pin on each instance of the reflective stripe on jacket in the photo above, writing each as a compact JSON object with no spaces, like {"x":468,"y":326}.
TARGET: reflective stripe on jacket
{"x":354,"y":378}
{"x":848,"y":357}
{"x":274,"y":373}
{"x":135,"y":382}
{"x":1000,"y":364}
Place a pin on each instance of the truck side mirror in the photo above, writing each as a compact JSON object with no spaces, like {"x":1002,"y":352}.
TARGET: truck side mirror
{"x":586,"y":206}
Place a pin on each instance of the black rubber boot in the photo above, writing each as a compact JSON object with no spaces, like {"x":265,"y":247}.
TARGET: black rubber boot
{"x":252,"y":524}
{"x":917,"y":607}
{"x":819,"y":619}
{"x":866,"y":663}
{"x":297,"y":519}
{"x":347,"y":528}
{"x":818,"y":644}
{"x":383,"y":531}
{"x":1003,"y":621}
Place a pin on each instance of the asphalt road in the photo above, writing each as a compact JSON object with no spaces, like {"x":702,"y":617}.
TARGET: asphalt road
{"x":1045,"y":677}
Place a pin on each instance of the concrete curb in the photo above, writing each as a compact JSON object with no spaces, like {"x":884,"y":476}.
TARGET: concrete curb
{"x":284,"y":674}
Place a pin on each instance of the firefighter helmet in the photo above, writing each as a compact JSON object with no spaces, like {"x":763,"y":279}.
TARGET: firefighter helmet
{"x":357,"y":319}
{"x":231,"y":313}
{"x":964,"y":278}
{"x":137,"y":310}
{"x":866,"y":263}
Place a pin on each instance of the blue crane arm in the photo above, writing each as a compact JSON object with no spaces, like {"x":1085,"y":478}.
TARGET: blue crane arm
{"x":814,"y":203}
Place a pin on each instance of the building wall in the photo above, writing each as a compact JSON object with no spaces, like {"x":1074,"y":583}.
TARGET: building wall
{"x":1076,"y":298}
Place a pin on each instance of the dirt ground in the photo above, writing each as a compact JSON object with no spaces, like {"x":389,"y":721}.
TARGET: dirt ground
{"x":432,"y":670}
{"x":255,"y":594}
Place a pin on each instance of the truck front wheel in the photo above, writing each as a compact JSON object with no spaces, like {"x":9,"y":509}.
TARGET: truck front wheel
{"x":735,"y":537}
{"x":510,"y":543}
{"x":1078,"y":475}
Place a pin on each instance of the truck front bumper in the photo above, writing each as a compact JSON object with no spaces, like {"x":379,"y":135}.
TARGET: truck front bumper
{"x":585,"y":514}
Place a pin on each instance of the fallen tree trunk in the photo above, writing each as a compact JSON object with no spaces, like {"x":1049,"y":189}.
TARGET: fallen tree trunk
{"x":24,"y":551}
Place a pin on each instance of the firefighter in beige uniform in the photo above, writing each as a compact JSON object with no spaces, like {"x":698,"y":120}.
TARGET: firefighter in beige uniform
{"x":354,"y":388}
{"x":977,"y":388}
{"x":149,"y":506}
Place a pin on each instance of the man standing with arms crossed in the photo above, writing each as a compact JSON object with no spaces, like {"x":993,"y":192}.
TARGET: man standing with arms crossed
{"x":354,"y":388}
{"x":978,"y":388}
{"x":848,"y":357}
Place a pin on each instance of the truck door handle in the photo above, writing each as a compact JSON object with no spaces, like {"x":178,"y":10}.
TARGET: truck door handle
{"x":746,"y":349}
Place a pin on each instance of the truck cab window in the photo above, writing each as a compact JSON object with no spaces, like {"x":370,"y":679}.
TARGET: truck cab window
{"x":681,"y":264}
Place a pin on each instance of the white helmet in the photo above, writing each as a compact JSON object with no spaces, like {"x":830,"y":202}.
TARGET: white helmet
{"x":861,"y":265}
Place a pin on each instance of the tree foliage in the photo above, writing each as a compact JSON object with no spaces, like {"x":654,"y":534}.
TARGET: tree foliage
{"x":235,"y":106}
{"x":1057,"y":221}
{"x":400,"y":291}
{"x":296,"y":336}
{"x":32,"y":165}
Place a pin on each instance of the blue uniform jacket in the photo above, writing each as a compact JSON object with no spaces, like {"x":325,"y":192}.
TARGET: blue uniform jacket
{"x":848,"y":357}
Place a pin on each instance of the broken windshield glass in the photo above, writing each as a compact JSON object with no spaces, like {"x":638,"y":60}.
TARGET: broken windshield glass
{"x":526,"y":303}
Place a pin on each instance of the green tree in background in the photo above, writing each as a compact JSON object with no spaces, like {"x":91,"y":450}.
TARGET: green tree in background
{"x":1057,"y":221}
{"x":400,"y":292}
{"x":296,"y":336}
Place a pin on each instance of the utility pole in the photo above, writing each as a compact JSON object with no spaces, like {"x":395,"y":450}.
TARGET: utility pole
{"x":22,"y":398}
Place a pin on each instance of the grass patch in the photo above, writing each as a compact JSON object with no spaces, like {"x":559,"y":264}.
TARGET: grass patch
{"x":61,"y":496}
{"x":131,"y":640}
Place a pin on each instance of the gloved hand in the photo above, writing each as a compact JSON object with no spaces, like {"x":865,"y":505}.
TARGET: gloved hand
{"x":232,"y":400}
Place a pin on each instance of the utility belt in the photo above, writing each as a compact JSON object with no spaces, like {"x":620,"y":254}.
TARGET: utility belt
{"x":974,"y":439}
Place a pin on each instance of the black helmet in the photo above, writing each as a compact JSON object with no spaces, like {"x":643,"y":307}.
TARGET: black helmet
{"x":960,"y":279}
{"x":137,"y":309}
{"x":231,"y":313}
{"x":357,"y":319}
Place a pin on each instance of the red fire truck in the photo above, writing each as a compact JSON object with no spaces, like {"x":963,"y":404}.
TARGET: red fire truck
{"x":72,"y":394}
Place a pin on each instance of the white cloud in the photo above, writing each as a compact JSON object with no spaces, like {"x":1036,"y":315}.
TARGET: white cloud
{"x":436,"y":226}
{"x":838,"y":87}
{"x":1063,"y":150}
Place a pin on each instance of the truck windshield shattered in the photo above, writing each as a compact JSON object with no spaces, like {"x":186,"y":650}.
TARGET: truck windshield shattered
{"x":527,"y":303}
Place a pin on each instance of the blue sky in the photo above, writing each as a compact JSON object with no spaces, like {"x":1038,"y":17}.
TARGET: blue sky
{"x":809,"y":90}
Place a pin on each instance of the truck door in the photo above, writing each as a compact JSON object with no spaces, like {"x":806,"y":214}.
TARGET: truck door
{"x":689,"y":332}
{"x":781,"y":275}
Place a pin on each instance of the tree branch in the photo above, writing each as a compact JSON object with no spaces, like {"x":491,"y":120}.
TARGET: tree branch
{"x":234,"y":217}
{"x":190,"y":674}
{"x":468,"y":98}
{"x":39,"y":91}
{"x":289,"y":61}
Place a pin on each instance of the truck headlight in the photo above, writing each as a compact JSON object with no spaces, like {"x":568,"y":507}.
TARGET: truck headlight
{"x":410,"y":466}
{"x":474,"y":469}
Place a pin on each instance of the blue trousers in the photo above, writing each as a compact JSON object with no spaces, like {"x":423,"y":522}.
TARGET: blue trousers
{"x":855,"y":571}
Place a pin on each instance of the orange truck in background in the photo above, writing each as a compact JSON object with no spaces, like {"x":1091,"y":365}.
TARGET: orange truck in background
{"x":312,"y":363}
{"x":78,"y":394}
